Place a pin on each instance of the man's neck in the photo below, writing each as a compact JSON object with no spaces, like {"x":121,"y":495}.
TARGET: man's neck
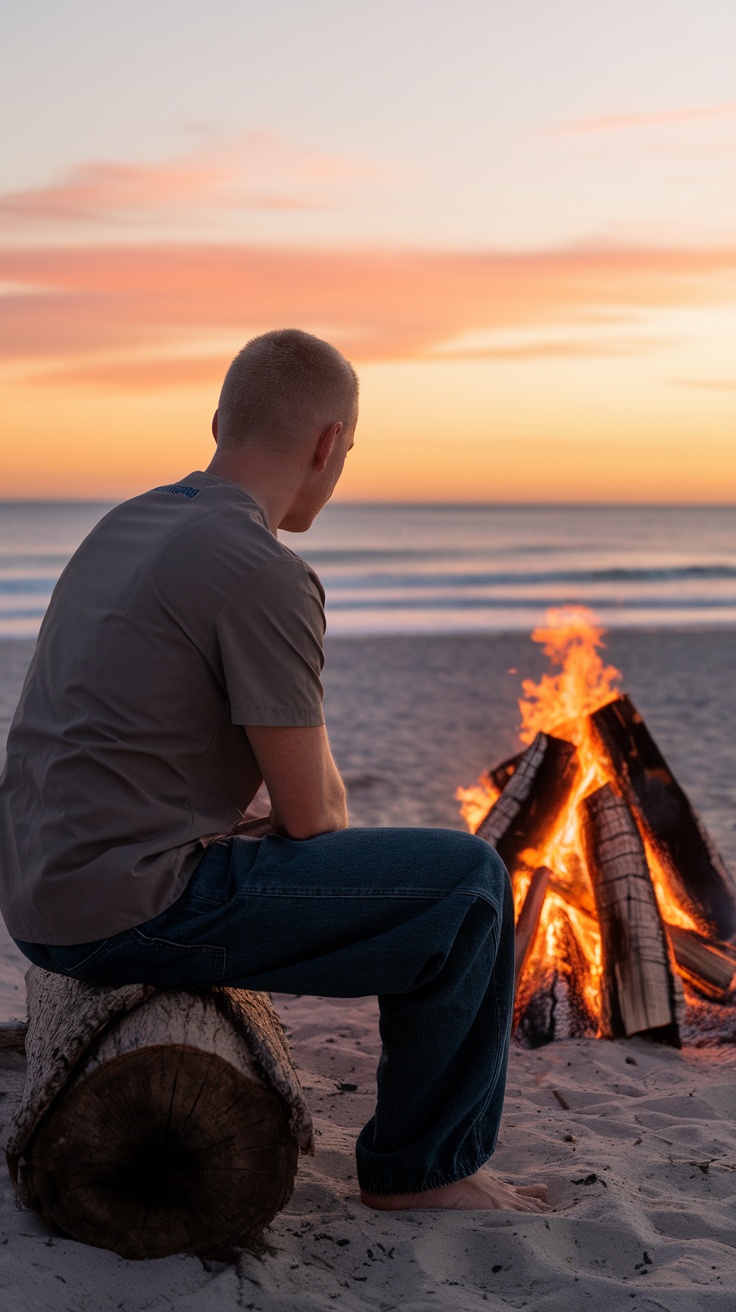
{"x":274,"y":488}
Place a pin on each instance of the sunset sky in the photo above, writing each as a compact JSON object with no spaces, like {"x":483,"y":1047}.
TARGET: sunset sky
{"x":517,"y":220}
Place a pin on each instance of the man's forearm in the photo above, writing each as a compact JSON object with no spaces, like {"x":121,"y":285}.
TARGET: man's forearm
{"x":327,"y":817}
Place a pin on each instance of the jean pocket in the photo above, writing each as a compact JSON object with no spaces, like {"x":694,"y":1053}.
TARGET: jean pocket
{"x":176,"y":965}
{"x":73,"y":961}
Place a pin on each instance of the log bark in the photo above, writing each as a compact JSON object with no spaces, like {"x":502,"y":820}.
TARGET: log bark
{"x":166,"y":1137}
{"x":638,"y":988}
{"x":528,"y":922}
{"x":696,"y":872}
{"x":540,"y":785}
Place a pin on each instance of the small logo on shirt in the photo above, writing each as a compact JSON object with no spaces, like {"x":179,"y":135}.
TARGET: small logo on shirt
{"x":182,"y":490}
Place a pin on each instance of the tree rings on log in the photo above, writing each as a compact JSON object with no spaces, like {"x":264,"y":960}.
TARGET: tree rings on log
{"x":638,"y":990}
{"x":528,"y":805}
{"x":167,"y":1140}
{"x":694,"y":868}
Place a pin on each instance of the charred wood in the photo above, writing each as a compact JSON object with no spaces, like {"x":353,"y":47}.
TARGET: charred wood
{"x":501,"y":774}
{"x":708,"y":969}
{"x":532,"y":798}
{"x":528,"y":922}
{"x":551,"y":1001}
{"x":638,"y":989}
{"x":696,"y":872}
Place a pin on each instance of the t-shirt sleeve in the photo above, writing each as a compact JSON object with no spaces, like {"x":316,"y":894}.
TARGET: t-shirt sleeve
{"x":269,"y":632}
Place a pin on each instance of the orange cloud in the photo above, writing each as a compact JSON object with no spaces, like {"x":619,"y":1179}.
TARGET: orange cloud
{"x":259,"y":171}
{"x":708,"y":384}
{"x":634,"y":122}
{"x":78,"y":307}
{"x":573,"y":348}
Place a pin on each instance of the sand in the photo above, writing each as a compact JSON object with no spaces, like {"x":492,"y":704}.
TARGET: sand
{"x":637,"y":1143}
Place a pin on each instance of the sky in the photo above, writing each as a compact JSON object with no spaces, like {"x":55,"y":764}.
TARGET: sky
{"x":517,"y":220}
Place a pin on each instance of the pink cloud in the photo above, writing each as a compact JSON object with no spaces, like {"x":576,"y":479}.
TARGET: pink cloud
{"x":82,"y":305}
{"x":260,"y":171}
{"x":634,"y":122}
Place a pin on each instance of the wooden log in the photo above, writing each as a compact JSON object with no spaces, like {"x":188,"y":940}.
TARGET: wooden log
{"x":708,"y":967}
{"x":551,"y":1002}
{"x":167,"y":1137}
{"x":528,"y":921}
{"x":638,"y":990}
{"x":703,"y":964}
{"x":501,"y":773}
{"x":539,"y":787}
{"x":696,"y":872}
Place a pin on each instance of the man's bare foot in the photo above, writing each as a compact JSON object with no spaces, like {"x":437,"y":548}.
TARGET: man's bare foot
{"x":482,"y":1190}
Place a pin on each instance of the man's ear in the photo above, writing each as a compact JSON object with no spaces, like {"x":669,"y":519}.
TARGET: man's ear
{"x":326,"y":444}
{"x":214,"y":426}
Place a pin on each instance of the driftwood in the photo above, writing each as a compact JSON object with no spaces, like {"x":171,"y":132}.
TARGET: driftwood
{"x":693,"y":867}
{"x":528,"y":922}
{"x":156,"y":1122}
{"x":551,"y":1002}
{"x":532,"y":798}
{"x":638,"y":990}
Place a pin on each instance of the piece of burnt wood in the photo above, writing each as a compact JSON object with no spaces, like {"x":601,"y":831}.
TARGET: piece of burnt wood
{"x":528,"y":922}
{"x":500,"y":774}
{"x":551,"y":1001}
{"x":532,"y":799}
{"x":696,"y":872}
{"x":167,"y":1137}
{"x":708,"y":969}
{"x":638,"y":990}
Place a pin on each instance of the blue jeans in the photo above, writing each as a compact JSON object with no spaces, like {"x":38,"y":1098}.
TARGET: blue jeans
{"x":421,"y":917}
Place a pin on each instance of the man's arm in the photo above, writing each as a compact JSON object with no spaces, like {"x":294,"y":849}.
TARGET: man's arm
{"x":306,"y":791}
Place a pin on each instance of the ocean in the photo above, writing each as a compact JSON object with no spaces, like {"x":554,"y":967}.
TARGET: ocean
{"x":393,"y":569}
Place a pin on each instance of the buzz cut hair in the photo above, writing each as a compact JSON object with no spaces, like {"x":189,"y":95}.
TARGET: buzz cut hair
{"x":280,"y":386}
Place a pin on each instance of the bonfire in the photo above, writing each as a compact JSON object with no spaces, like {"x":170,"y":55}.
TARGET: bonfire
{"x":625,"y":912}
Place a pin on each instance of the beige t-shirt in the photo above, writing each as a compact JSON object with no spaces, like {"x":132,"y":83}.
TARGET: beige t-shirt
{"x":180,"y":619}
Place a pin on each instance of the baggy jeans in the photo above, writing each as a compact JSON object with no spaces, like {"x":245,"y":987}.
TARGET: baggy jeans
{"x":421,"y":917}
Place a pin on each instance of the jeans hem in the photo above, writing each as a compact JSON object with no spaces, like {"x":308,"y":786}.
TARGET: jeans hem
{"x":435,"y":1181}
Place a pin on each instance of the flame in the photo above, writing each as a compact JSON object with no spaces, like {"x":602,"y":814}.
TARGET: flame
{"x":571,"y":640}
{"x":561,"y":704}
{"x":476,"y":801}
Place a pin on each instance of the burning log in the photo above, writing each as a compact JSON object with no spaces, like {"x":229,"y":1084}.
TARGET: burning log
{"x":528,"y":921}
{"x":501,"y":774}
{"x":691,"y":863}
{"x":551,"y":1002}
{"x":708,"y":969}
{"x":535,"y":792}
{"x":638,"y":990}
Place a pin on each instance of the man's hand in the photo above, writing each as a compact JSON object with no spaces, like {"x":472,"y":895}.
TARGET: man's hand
{"x":306,"y":791}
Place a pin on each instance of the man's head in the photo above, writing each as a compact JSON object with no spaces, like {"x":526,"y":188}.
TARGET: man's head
{"x":289,"y":400}
{"x":282,"y":385}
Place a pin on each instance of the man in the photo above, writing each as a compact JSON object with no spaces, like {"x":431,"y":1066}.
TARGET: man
{"x":178,"y":667}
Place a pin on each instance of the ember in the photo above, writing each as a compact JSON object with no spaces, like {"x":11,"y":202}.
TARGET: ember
{"x":626,"y":914}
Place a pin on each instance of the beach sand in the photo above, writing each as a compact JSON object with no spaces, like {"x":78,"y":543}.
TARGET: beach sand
{"x":637,"y":1143}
